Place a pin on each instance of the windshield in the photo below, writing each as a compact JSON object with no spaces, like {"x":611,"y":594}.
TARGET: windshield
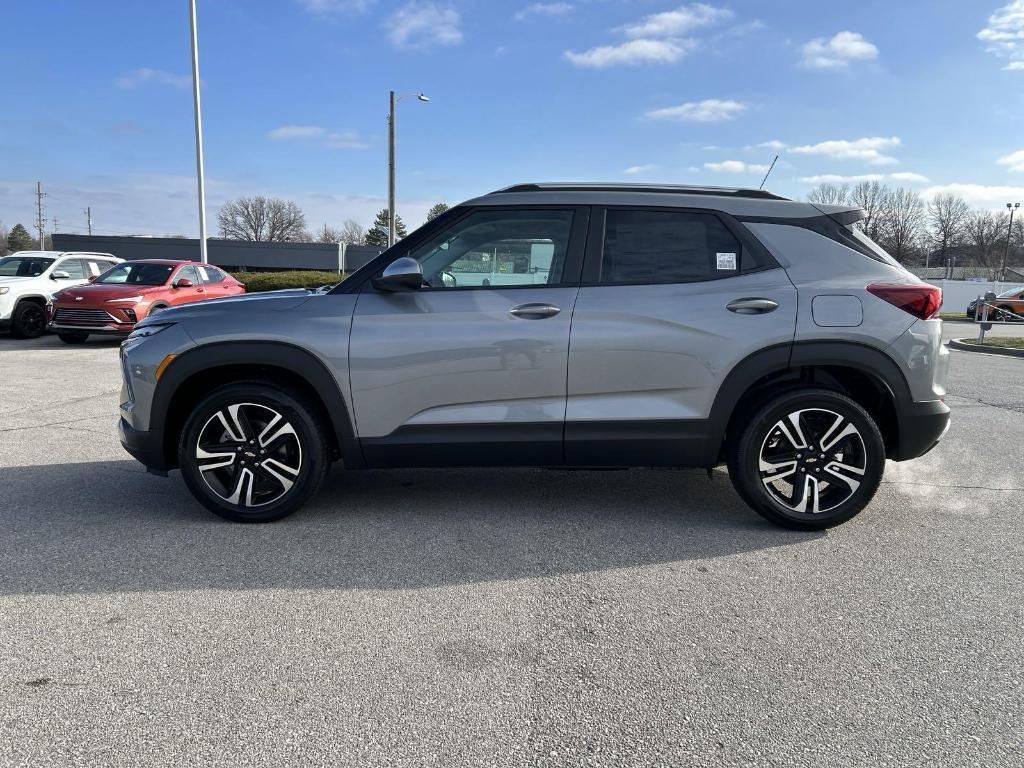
{"x":1011,"y":294}
{"x":136,"y":274}
{"x":23,"y":266}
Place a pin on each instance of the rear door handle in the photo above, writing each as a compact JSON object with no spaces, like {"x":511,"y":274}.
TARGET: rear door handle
{"x":534,"y":311}
{"x":752,"y":306}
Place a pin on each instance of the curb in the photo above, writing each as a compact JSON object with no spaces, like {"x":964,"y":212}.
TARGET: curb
{"x":967,"y":346}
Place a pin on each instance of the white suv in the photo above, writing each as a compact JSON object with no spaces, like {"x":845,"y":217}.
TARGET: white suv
{"x":29,"y":278}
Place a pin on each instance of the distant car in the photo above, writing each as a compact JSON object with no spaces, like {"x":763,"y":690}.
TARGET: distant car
{"x":29,"y":278}
{"x":1007,"y":304}
{"x":119,"y":298}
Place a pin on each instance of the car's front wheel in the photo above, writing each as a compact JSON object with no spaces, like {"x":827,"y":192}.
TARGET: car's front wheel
{"x":808,"y":459}
{"x":28,"y":321}
{"x":252,"y":453}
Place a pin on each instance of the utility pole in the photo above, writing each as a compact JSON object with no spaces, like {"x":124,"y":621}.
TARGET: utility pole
{"x":391,"y":169}
{"x":201,"y":180}
{"x":39,"y":214}
{"x":1011,"y":207}
{"x":88,"y":218}
{"x":55,"y":225}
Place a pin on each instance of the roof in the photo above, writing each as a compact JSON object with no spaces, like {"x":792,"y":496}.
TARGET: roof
{"x":736,"y":201}
{"x":162,"y":261}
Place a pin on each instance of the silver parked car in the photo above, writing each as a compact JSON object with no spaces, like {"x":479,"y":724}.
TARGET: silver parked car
{"x":562,"y":325}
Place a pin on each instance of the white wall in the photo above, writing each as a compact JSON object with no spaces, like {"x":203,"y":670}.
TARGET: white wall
{"x":957,"y":294}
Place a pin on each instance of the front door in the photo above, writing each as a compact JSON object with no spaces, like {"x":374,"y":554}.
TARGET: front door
{"x":471,"y":368}
{"x":672,"y":301}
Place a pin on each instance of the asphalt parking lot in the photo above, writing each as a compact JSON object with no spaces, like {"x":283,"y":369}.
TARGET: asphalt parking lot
{"x":505,"y":618}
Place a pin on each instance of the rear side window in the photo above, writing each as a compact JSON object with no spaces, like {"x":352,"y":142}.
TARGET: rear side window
{"x":73,"y":267}
{"x":852,"y":237}
{"x":667,"y":247}
{"x":210,"y":274}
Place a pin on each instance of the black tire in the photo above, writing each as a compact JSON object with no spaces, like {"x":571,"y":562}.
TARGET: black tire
{"x":860,"y":457}
{"x":73,"y":338}
{"x":257,"y":400}
{"x":28,"y":320}
{"x":156,"y":308}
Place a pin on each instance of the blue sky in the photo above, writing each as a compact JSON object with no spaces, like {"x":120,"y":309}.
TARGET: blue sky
{"x":97,"y":100}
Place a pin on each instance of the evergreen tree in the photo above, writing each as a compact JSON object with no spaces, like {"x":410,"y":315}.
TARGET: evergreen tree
{"x":378,"y":233}
{"x":19,"y":239}
{"x":436,"y":210}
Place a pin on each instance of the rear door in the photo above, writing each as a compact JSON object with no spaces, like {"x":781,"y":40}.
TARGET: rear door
{"x":471,"y":368}
{"x":76,"y":270}
{"x":671,"y":300}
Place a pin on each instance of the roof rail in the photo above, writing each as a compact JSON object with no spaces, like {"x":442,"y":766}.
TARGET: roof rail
{"x":661,"y":189}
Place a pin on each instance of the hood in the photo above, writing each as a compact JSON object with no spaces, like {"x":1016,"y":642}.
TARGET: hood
{"x":267,"y":301}
{"x":93,"y":293}
{"x":11,"y":279}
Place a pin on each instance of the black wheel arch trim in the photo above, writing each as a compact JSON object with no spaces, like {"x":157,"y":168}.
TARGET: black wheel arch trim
{"x":276,"y":354}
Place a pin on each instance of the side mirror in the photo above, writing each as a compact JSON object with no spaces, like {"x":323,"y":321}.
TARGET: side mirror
{"x":182,"y":282}
{"x":92,"y":278}
{"x":60,"y":275}
{"x":404,"y":274}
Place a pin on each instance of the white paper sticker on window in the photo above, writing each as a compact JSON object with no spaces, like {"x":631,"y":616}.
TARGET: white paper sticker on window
{"x":726,"y":260}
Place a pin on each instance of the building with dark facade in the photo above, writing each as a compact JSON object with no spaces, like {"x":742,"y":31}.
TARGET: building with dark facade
{"x":232,"y":255}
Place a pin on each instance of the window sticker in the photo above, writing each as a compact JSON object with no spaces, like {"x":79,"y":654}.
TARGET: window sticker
{"x":726,"y":260}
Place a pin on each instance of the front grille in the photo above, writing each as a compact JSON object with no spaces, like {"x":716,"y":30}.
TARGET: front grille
{"x":84,"y":317}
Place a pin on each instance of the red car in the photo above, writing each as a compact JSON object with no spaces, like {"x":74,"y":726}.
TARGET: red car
{"x":113,"y":302}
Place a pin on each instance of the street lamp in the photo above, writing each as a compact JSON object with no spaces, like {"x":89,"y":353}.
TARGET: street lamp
{"x":391,"y":159}
{"x":1011,"y":207}
{"x":201,"y":180}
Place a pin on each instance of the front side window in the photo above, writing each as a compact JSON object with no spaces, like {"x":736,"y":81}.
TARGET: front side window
{"x":498,"y":248}
{"x":23,"y":266}
{"x":74,"y":268}
{"x":136,"y":274}
{"x":187,"y":273}
{"x":667,"y":247}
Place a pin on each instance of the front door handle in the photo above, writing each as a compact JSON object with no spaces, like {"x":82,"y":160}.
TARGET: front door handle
{"x":752,"y":306}
{"x":534,"y":311}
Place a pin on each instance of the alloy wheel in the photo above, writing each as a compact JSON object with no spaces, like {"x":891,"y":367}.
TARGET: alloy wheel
{"x":812,"y":460}
{"x":248,"y":454}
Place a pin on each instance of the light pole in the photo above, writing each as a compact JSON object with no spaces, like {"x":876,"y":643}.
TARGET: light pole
{"x":1011,"y":207}
{"x":199,"y":133}
{"x":391,"y":159}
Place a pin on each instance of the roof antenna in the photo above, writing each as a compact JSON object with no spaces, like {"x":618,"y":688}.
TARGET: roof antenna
{"x":769,"y":172}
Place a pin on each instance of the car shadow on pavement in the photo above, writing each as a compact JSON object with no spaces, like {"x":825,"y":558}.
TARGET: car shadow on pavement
{"x":110,"y":527}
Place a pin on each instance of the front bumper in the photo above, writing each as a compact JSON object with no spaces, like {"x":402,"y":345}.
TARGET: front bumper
{"x":922,"y":426}
{"x":146,"y":446}
{"x":103,"y":330}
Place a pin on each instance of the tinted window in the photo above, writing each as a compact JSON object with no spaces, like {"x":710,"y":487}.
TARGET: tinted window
{"x":210,"y":274}
{"x":136,"y":273}
{"x":23,"y":266}
{"x":666,"y":247}
{"x":498,"y":248}
{"x":74,"y":267}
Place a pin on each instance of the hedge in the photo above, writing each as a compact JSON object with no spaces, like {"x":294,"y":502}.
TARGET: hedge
{"x":256,"y":282}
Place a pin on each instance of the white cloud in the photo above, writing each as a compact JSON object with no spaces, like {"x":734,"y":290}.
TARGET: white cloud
{"x":833,"y":178}
{"x":635,"y":170}
{"x":295,"y":132}
{"x":654,"y":39}
{"x":1004,"y":35}
{"x":145,"y":75}
{"x":979,"y":195}
{"x":543,"y":9}
{"x":868,"y":150}
{"x":345,"y":140}
{"x":423,"y":24}
{"x":631,"y":53}
{"x":1014,"y":161}
{"x":838,"y":52}
{"x":736,"y":166}
{"x":707,"y":111}
{"x":677,"y":22}
{"x":775,"y":144}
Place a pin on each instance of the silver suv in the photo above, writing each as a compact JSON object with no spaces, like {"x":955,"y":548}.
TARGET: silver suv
{"x":562,"y":325}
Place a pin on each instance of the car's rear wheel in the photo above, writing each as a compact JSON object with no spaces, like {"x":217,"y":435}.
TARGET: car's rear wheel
{"x":808,"y":459}
{"x":28,"y":320}
{"x":73,"y":338}
{"x":253,"y":453}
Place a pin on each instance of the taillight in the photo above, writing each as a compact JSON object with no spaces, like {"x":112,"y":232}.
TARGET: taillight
{"x":919,"y":299}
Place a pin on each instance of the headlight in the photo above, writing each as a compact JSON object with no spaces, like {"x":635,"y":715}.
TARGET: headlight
{"x":131,"y":299}
{"x":4,"y":290}
{"x":149,"y":330}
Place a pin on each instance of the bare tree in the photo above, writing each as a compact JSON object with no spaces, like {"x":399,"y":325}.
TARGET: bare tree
{"x":903,"y":223}
{"x":329,"y":235}
{"x":262,"y":219}
{"x":873,"y":198}
{"x":353,"y":233}
{"x":947,"y":214}
{"x":985,"y":235}
{"x":830,"y":194}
